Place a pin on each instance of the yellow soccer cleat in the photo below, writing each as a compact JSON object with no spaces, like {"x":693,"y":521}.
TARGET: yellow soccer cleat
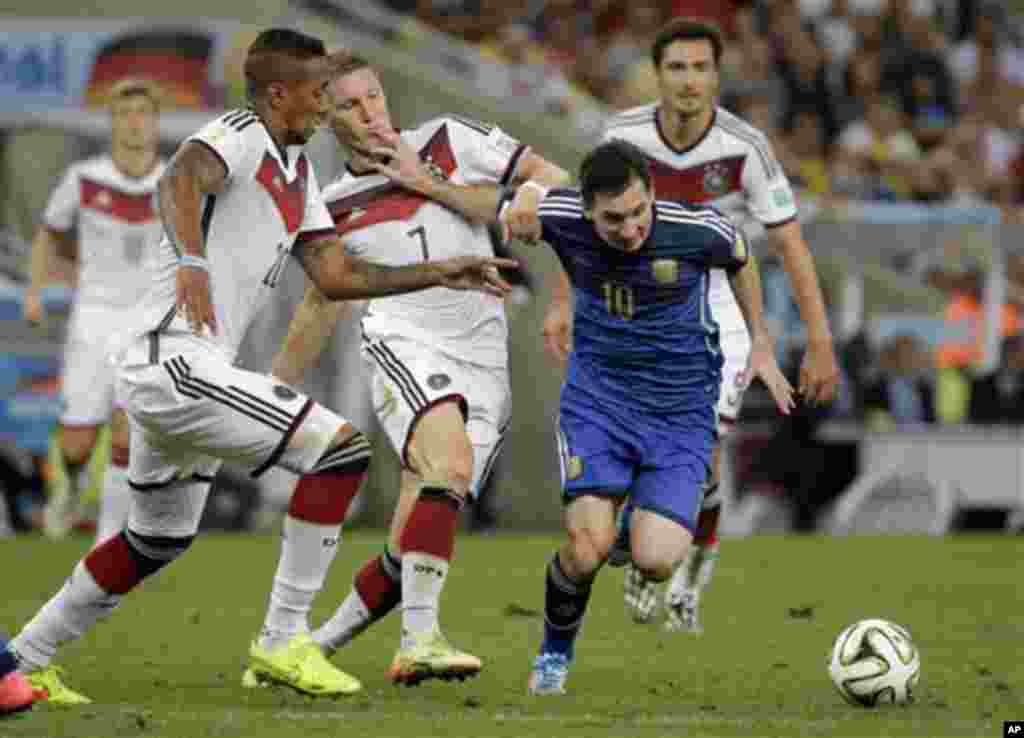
{"x":50,"y":688}
{"x":301,"y":665}
{"x":432,"y":657}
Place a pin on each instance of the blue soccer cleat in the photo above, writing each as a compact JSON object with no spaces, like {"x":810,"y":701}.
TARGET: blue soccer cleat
{"x":550,"y":671}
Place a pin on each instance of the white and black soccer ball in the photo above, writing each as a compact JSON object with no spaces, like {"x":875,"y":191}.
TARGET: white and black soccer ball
{"x":875,"y":662}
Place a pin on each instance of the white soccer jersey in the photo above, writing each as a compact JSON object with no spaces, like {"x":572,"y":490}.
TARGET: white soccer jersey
{"x":380,"y":222}
{"x":732,"y":167}
{"x":117,"y":226}
{"x":269,"y":202}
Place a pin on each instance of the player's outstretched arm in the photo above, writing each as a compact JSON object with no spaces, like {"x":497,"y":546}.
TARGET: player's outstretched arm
{"x":342,"y":277}
{"x":746,"y":285}
{"x":310,"y":327}
{"x":195,"y":171}
{"x":47,"y":245}
{"x":819,"y":372}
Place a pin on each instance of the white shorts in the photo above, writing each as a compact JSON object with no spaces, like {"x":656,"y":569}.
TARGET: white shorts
{"x":87,"y":382}
{"x":192,"y":408}
{"x":736,"y":353}
{"x":408,"y":378}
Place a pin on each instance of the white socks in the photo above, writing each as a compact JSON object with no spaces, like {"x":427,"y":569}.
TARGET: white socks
{"x":78,"y":605}
{"x":307,"y":550}
{"x":423,"y":578}
{"x":351,"y":618}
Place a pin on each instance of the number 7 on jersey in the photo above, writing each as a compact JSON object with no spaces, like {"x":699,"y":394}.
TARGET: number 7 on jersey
{"x":421,"y":231}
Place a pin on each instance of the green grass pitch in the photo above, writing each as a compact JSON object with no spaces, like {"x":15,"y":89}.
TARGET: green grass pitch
{"x":167,"y":663}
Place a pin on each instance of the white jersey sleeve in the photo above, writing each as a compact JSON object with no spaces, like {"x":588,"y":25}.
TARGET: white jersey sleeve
{"x":62,"y":208}
{"x":485,"y":152}
{"x":769,"y":195}
{"x":225,"y":137}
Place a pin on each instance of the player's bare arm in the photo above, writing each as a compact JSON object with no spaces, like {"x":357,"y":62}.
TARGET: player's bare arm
{"x":342,"y":277}
{"x":819,"y":372}
{"x":558,"y":319}
{"x":746,"y":285}
{"x":310,"y":328}
{"x":534,"y":176}
{"x":195,"y":171}
{"x":49,"y":244}
{"x":401,"y":163}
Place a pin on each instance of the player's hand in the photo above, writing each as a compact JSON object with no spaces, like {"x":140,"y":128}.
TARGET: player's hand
{"x":762,"y":365}
{"x":819,"y":373}
{"x":519,"y":219}
{"x":32,"y":306}
{"x":558,"y":331}
{"x":401,"y":163}
{"x":475,"y":273}
{"x":194,"y":300}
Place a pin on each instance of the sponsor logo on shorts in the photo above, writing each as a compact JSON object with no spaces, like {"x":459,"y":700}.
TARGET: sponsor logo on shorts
{"x":285,"y":393}
{"x":574,"y":467}
{"x":438,"y":381}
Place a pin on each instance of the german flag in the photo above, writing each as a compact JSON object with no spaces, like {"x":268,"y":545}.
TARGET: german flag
{"x":178,"y":60}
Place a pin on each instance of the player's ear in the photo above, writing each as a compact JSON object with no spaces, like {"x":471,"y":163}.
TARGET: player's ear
{"x":276,"y":93}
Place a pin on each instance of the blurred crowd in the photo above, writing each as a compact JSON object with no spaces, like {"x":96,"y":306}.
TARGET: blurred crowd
{"x":886,"y":100}
{"x":892,"y":101}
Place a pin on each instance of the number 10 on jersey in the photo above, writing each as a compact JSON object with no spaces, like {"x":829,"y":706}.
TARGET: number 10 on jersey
{"x":618,"y":298}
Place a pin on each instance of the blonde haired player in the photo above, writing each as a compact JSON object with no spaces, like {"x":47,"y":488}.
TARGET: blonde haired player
{"x":437,"y":360}
{"x":103,"y":214}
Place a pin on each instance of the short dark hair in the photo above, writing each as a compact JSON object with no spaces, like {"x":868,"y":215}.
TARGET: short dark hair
{"x":687,"y":29}
{"x":282,"y":44}
{"x":611,"y":168}
{"x":295,"y":44}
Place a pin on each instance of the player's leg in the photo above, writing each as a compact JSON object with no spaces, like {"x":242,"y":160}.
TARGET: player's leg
{"x":683,"y":594}
{"x":115,"y":496}
{"x":86,"y":393}
{"x":163,"y":520}
{"x":594,"y":481}
{"x":569,"y":576}
{"x":201,"y":403}
{"x":16,"y":693}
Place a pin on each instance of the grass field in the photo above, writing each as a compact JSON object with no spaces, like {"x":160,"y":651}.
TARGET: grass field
{"x":168,"y":661}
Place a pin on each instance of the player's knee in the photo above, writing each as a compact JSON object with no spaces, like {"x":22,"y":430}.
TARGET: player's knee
{"x":657,"y":563}
{"x":76,"y":444}
{"x":589,"y":547}
{"x":153,"y":553}
{"x":453,"y":467}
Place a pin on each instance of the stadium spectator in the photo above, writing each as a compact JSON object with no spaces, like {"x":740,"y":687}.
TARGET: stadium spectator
{"x":997,"y":398}
{"x":901,"y":393}
{"x":516,"y":70}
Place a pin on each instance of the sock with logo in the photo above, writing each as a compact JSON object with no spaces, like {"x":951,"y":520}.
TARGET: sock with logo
{"x":427,"y":542}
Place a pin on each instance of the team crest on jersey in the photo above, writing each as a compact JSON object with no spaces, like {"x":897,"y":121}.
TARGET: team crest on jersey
{"x":716,"y":179}
{"x":666,"y":271}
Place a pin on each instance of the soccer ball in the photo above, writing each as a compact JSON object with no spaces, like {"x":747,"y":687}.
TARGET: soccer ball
{"x":875,"y":662}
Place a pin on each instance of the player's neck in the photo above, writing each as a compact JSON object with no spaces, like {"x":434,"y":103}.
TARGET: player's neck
{"x":681,"y":131}
{"x":134,"y":163}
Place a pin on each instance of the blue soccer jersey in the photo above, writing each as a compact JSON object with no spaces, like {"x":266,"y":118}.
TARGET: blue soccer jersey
{"x":637,"y":412}
{"x":643,"y":333}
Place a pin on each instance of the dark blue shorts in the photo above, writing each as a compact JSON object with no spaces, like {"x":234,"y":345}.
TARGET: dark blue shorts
{"x":660,"y":460}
